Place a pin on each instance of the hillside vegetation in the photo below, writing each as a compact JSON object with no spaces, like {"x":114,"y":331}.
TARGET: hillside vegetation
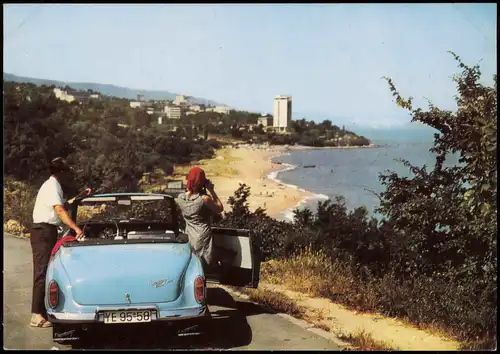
{"x":432,"y":260}
{"x":109,"y":144}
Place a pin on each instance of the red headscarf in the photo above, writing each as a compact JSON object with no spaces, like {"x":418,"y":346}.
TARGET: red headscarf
{"x":195,"y":179}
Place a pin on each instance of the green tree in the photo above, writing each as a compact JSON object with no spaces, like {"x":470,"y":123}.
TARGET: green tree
{"x":448,"y":215}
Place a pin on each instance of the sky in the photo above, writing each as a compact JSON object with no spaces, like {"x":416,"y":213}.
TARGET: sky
{"x":329,"y":57}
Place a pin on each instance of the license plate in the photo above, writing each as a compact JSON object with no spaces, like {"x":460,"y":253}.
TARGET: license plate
{"x":112,"y":317}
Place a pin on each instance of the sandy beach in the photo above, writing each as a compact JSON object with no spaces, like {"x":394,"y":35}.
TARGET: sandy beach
{"x":251,"y":166}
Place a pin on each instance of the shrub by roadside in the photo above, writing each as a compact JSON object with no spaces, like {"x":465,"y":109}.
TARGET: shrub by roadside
{"x":19,"y":201}
{"x":14,"y":228}
{"x":457,"y":309}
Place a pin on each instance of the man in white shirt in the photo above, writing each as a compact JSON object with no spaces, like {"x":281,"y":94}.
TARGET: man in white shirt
{"x":48,"y":213}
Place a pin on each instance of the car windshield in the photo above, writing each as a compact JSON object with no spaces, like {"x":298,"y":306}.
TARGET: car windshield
{"x":125,"y":209}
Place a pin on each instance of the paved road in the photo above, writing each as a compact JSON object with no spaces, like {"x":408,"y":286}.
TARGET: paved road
{"x":237,"y":324}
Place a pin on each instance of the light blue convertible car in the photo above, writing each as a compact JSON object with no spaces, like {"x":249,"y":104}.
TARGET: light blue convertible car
{"x":135,"y":268}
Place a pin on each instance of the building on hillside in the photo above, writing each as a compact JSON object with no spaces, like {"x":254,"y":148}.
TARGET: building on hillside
{"x":80,"y":96}
{"x":195,"y":108}
{"x":282,"y":112}
{"x":266,"y":121}
{"x":140,"y":97}
{"x":73,"y":95}
{"x":63,"y":95}
{"x":174,"y":112}
{"x":180,"y":99}
{"x":150,"y":110}
{"x":222,"y":109}
{"x":135,"y":104}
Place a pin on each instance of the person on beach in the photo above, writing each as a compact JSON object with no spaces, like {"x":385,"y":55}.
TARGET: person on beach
{"x":48,"y":214}
{"x":198,"y":209}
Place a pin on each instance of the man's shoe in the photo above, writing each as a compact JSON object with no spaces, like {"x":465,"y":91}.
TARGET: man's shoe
{"x":37,"y":320}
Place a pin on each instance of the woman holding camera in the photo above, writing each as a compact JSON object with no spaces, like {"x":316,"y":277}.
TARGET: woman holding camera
{"x":198,"y":208}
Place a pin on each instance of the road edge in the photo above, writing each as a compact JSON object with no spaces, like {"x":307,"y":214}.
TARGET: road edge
{"x":299,"y":322}
{"x":16,"y":236}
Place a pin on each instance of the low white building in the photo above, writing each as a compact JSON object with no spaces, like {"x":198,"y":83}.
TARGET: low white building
{"x":222,"y":109}
{"x":174,"y":112}
{"x":63,"y":95}
{"x":266,"y":121}
{"x":135,"y":104}
{"x":195,"y":108}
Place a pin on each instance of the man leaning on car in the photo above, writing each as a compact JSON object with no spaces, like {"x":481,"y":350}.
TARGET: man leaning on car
{"x":48,"y":213}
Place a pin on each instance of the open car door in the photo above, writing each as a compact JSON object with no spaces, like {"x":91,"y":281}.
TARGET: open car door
{"x":244,"y":268}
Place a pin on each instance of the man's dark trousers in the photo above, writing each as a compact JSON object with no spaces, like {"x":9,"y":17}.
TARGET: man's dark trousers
{"x":43,"y":239}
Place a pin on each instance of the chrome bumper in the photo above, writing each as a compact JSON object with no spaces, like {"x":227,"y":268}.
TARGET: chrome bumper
{"x":96,"y":317}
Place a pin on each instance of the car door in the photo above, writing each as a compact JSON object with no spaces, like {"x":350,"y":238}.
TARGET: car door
{"x":244,"y":268}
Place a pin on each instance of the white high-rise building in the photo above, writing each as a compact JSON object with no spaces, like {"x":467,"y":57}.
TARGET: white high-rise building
{"x":282,"y":112}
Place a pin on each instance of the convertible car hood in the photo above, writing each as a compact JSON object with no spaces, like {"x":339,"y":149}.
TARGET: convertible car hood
{"x":104,"y":274}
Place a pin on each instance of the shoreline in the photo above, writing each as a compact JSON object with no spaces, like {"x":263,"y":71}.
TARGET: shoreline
{"x":253,"y":165}
{"x":304,"y":147}
{"x":288,"y":213}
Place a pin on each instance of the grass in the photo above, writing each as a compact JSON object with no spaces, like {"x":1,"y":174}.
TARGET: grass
{"x":362,"y":340}
{"x":478,"y":345}
{"x":306,"y":273}
{"x":315,"y":274}
{"x":277,"y":301}
{"x":322,"y":326}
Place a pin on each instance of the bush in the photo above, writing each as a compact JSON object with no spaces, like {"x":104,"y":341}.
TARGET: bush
{"x":19,"y":201}
{"x":270,"y":235}
{"x":462,"y":309}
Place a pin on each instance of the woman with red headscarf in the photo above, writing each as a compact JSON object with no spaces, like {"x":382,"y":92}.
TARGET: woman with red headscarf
{"x":198,"y":208}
